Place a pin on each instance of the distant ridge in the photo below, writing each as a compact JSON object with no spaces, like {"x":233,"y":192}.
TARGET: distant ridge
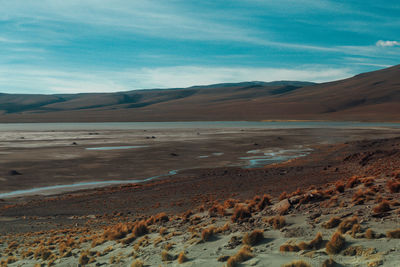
{"x":372,"y":96}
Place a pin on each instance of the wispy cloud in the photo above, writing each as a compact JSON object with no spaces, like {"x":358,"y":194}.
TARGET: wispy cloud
{"x":382,"y":43}
{"x":52,"y":81}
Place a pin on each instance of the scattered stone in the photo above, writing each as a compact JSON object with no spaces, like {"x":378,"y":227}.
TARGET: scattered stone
{"x":14,"y":172}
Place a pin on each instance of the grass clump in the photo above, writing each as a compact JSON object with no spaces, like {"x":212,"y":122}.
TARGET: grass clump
{"x":384,"y":206}
{"x":332,"y":223}
{"x":240,"y":213}
{"x":277,"y":222}
{"x":84,"y":258}
{"x":137,"y":263}
{"x":393,"y":234}
{"x":352,"y":182}
{"x":242,"y":255}
{"x":339,"y":186}
{"x":182,"y":257}
{"x":165,"y":256}
{"x":253,"y":238}
{"x":297,"y":264}
{"x":329,"y":263}
{"x":336,"y":244}
{"x":347,"y":224}
{"x":208,"y":233}
{"x":316,"y":243}
{"x":370,"y":234}
{"x":393,"y":186}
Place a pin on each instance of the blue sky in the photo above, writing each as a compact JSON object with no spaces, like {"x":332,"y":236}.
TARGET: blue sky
{"x":54,"y":46}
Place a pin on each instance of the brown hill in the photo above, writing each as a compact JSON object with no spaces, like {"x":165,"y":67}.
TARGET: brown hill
{"x":373,"y":96}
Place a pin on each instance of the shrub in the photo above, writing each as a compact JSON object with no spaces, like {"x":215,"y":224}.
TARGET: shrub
{"x":329,"y":263}
{"x":165,"y":256}
{"x":242,"y":255}
{"x":216,"y":209}
{"x":265,"y":201}
{"x":182,"y":258}
{"x":353,"y":181}
{"x":393,"y":234}
{"x":339,"y":186}
{"x":137,"y":263}
{"x":384,"y":206}
{"x":355,"y":229}
{"x":316,"y":243}
{"x":229,"y":203}
{"x":347,"y":224}
{"x":277,"y":222}
{"x":297,"y":264}
{"x":140,"y":229}
{"x":394,"y":186}
{"x":336,"y":244}
{"x":289,"y":248}
{"x":207,"y":233}
{"x":332,"y":223}
{"x":283,"y":195}
{"x":240,"y":213}
{"x":116,"y":232}
{"x":253,"y":238}
{"x":370,"y":234}
{"x":84,"y":258}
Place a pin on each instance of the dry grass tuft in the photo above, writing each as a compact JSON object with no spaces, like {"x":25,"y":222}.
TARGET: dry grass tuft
{"x":240,"y":213}
{"x":347,"y":224}
{"x":287,"y":247}
{"x":297,"y":264}
{"x":84,"y":258}
{"x":352,"y":182}
{"x":264,"y":201}
{"x":253,"y":238}
{"x":216,"y":209}
{"x":283,"y":196}
{"x":336,"y":244}
{"x":137,"y":263}
{"x":277,"y":222}
{"x":208,"y":233}
{"x":140,"y":229}
{"x":393,"y":186}
{"x":393,"y":234}
{"x":165,"y":256}
{"x":316,"y":243}
{"x":242,"y":255}
{"x":370,"y":234}
{"x":182,"y":258}
{"x":329,"y":263}
{"x":332,"y":223}
{"x":384,"y":206}
{"x":339,"y":186}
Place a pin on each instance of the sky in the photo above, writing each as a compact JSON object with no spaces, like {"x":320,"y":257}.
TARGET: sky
{"x":59,"y":46}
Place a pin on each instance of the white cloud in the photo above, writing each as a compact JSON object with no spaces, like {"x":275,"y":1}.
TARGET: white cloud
{"x":28,"y":80}
{"x":382,"y":43}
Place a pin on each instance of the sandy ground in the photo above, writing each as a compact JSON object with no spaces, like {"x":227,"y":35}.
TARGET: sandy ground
{"x":48,"y":223}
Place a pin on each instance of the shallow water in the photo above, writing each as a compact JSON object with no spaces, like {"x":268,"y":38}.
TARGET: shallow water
{"x":55,"y":189}
{"x":189,"y":124}
{"x":282,"y":155}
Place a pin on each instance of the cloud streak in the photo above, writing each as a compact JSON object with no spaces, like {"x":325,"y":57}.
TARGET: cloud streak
{"x":52,"y":81}
{"x":382,"y":43}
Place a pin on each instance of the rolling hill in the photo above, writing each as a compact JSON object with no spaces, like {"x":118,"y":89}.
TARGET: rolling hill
{"x":373,"y":96}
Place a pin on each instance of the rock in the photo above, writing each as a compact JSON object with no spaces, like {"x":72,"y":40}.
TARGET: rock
{"x":281,"y":207}
{"x":223,"y":258}
{"x":253,"y":262}
{"x":14,"y":172}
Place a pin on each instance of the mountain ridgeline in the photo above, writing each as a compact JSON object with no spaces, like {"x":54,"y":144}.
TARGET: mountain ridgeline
{"x":373,"y":96}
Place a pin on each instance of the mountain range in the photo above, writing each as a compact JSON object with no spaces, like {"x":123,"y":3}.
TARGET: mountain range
{"x":373,"y":96}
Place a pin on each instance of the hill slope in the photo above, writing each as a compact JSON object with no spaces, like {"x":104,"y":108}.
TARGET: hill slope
{"x":371,"y":96}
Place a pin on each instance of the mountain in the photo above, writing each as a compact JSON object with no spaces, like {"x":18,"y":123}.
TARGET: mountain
{"x":373,"y":96}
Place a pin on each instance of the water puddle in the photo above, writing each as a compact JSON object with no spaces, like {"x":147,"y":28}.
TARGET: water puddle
{"x":113,"y":147}
{"x":270,"y":157}
{"x":56,"y":189}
